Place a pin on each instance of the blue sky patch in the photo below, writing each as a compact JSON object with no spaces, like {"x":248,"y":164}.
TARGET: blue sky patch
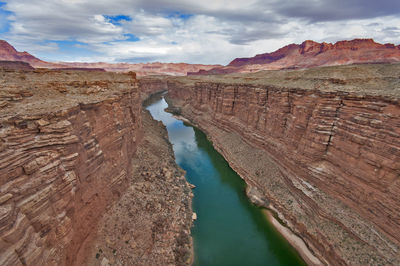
{"x":127,"y":38}
{"x":4,"y":22}
{"x":131,"y":37}
{"x":179,"y":15}
{"x":67,"y":51}
{"x":116,"y":20}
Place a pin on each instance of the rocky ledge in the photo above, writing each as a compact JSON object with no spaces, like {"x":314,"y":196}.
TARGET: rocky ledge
{"x":320,"y":147}
{"x":71,"y":145}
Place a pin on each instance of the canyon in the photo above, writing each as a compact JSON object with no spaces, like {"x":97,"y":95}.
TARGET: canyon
{"x":319,"y":147}
{"x":72,"y":149}
{"x":87,"y":177}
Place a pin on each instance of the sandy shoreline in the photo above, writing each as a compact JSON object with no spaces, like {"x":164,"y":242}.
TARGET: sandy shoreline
{"x":293,"y":239}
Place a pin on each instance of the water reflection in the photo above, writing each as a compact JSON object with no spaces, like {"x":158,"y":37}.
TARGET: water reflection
{"x":229,"y":230}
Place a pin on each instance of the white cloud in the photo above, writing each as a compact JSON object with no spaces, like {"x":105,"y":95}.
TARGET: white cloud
{"x":216,"y":31}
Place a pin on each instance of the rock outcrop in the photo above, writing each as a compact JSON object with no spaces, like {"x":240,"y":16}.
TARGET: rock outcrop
{"x":321,"y":147}
{"x":15,"y":65}
{"x":313,"y":54}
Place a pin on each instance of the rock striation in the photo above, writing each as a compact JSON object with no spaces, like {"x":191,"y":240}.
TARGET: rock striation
{"x":320,"y":147}
{"x":312,"y":54}
{"x":66,"y":143}
{"x":80,"y":184}
{"x":152,"y":84}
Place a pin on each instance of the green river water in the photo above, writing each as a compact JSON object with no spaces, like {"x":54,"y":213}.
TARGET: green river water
{"x":229,"y":229}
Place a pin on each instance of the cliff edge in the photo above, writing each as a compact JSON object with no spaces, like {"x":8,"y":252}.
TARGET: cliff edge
{"x":70,"y":143}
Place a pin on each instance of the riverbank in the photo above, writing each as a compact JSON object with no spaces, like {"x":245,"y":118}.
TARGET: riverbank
{"x":322,"y":154}
{"x":232,"y":148}
{"x":225,"y":214}
{"x":150,"y":223}
{"x":293,"y":239}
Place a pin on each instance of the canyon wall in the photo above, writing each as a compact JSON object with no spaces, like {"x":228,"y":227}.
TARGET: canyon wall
{"x":67,"y":139}
{"x":152,"y":84}
{"x":325,"y":156}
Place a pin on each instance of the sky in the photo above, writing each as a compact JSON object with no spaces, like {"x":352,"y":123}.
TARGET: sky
{"x":191,"y":31}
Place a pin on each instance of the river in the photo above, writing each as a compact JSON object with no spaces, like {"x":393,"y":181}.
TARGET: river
{"x":229,"y":229}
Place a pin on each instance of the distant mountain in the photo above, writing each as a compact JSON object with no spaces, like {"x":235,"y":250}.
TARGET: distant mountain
{"x":142,"y":69}
{"x":9,"y":53}
{"x":312,"y":54}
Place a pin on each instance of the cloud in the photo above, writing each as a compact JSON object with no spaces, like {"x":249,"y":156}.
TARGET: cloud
{"x":326,"y":10}
{"x":205,"y":31}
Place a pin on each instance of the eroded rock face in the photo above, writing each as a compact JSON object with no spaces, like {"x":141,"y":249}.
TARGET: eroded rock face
{"x":328,"y":160}
{"x":152,"y":84}
{"x":66,"y":144}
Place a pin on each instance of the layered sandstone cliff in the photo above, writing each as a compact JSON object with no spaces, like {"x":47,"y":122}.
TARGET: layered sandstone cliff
{"x":66,"y":143}
{"x":71,"y":153}
{"x":152,"y":84}
{"x":321,"y":147}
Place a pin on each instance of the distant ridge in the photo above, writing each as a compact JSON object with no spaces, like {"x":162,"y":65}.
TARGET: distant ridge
{"x":293,"y":56}
{"x":312,"y":54}
{"x":9,"y":53}
{"x":15,"y":65}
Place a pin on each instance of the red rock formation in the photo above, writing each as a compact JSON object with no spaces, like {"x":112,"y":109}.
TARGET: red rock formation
{"x":15,"y":65}
{"x":66,"y":144}
{"x":265,"y":58}
{"x":152,"y":84}
{"x":8,"y":53}
{"x":312,"y":54}
{"x":323,"y":152}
